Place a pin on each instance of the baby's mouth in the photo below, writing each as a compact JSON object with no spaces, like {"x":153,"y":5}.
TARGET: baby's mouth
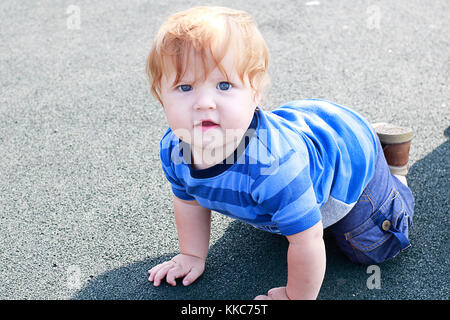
{"x":206,"y":125}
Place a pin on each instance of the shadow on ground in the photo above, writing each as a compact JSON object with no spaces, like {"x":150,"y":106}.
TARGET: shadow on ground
{"x":230,"y":271}
{"x":246,"y":262}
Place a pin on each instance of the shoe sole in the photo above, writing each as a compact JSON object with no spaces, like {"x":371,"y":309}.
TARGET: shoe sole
{"x":391,"y":134}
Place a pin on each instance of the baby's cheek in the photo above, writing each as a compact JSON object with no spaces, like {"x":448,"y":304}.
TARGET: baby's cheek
{"x":182,"y":133}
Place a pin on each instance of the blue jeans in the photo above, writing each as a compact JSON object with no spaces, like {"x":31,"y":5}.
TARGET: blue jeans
{"x":376,"y":229}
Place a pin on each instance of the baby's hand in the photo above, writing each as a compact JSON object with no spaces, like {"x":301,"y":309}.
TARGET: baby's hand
{"x":182,"y":265}
{"x":274,"y":294}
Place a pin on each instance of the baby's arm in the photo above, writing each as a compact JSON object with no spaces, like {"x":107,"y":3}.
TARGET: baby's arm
{"x":193,"y":225}
{"x":306,"y":266}
{"x":306,"y":263}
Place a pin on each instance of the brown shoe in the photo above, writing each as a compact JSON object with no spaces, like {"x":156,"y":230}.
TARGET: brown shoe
{"x":396,"y":142}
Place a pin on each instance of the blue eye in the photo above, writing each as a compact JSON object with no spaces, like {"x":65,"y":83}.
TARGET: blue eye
{"x":184,"y":87}
{"x":224,"y":86}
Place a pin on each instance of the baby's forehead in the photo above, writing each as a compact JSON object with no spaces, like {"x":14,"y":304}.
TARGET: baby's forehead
{"x":197,"y":66}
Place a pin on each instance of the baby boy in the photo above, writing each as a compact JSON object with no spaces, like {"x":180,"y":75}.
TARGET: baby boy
{"x":303,"y":167}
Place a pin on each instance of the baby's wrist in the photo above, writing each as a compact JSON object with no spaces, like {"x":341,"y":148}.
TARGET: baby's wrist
{"x":289,"y":296}
{"x":193,"y":256}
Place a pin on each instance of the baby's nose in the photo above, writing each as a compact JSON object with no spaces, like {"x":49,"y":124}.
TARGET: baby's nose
{"x":204,"y":101}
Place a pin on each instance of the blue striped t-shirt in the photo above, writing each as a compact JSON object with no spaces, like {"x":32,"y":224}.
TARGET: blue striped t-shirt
{"x":303,"y":162}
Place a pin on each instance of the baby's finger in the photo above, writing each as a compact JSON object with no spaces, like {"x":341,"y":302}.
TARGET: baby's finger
{"x":278,"y":293}
{"x":191,"y":276}
{"x":161,"y":273}
{"x":173,"y":274}
{"x":153,"y":271}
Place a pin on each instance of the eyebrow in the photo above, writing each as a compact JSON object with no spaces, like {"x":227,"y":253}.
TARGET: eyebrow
{"x":216,"y":78}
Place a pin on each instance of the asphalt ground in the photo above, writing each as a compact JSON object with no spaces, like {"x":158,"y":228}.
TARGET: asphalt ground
{"x":85,"y":209}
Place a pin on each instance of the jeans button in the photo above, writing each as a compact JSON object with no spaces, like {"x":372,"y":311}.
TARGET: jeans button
{"x":386,"y":225}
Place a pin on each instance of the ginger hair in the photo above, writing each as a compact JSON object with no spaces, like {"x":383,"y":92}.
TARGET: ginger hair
{"x":209,"y":32}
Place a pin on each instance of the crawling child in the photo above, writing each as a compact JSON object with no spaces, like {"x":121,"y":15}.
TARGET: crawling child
{"x":305,"y":166}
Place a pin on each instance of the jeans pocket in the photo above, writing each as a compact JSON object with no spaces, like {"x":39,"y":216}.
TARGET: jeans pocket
{"x":384,"y":234}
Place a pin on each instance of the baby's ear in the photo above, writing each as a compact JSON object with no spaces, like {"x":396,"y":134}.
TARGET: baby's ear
{"x":257,"y":96}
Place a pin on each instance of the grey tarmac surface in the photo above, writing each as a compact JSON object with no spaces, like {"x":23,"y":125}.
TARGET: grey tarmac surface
{"x":85,"y":209}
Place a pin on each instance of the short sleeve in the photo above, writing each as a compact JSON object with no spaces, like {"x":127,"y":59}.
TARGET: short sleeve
{"x":168,"y":167}
{"x":287,"y":193}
